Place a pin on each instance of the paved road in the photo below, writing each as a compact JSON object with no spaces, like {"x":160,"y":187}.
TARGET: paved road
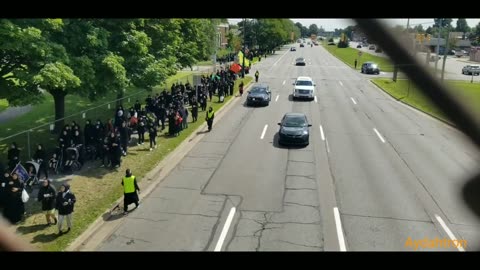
{"x":392,"y":173}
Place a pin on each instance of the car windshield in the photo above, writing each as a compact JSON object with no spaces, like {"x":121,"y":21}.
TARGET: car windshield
{"x":304,"y":83}
{"x":258,"y":91}
{"x":300,"y":59}
{"x":294,"y":121}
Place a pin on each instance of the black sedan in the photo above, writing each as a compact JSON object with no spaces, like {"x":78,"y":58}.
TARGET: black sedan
{"x":370,"y":68}
{"x":300,"y":61}
{"x":259,"y":95}
{"x":294,"y":130}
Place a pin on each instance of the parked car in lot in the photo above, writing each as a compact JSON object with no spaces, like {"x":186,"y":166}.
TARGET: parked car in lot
{"x":292,"y":49}
{"x":359,"y":46}
{"x":304,"y":88}
{"x":300,"y":61}
{"x":371,"y":47}
{"x":294,"y":129}
{"x":302,"y":45}
{"x":260,"y":94}
{"x":370,"y":68}
{"x":471,"y":70}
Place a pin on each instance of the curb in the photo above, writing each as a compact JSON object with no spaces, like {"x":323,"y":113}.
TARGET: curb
{"x":153,"y":178}
{"x":411,"y":106}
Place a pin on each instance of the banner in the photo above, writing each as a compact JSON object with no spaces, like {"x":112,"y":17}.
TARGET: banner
{"x":21,"y":172}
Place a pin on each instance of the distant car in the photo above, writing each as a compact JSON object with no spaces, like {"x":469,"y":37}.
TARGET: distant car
{"x":294,"y":129}
{"x":300,"y":61}
{"x":370,"y":68}
{"x":371,"y":47}
{"x":378,"y":50}
{"x":260,"y":94}
{"x":471,"y":70}
{"x":304,"y":88}
{"x":302,"y":45}
{"x":359,"y":46}
{"x":292,"y":49}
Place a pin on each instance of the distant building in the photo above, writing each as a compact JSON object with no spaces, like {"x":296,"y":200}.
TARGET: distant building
{"x":222,"y":35}
{"x":475,"y":54}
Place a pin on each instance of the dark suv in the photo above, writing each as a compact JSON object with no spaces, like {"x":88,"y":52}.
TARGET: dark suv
{"x":370,"y":68}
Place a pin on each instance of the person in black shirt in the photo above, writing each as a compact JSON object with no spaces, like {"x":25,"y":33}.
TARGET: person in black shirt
{"x":40,"y":157}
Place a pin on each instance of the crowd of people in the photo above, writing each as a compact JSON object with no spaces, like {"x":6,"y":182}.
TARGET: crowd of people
{"x":108,"y":142}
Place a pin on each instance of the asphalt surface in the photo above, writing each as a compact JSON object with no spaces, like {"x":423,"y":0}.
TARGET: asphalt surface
{"x":392,"y":173}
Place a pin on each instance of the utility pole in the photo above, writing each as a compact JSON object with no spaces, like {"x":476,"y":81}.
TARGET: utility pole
{"x":438,"y":44}
{"x":395,"y":67}
{"x":445,"y":54}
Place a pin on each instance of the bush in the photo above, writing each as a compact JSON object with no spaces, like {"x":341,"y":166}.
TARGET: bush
{"x":343,"y":44}
{"x":330,"y":40}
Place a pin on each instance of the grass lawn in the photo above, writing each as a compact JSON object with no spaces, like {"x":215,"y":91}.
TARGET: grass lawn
{"x":467,"y":92}
{"x":3,"y":104}
{"x":98,"y":188}
{"x":348,"y":55}
{"x":205,"y":63}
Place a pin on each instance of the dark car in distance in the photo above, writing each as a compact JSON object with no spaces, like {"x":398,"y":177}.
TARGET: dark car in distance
{"x":370,"y":68}
{"x":259,"y":95}
{"x":302,"y":45}
{"x":294,"y":130}
{"x":300,"y":61}
{"x":292,"y":49}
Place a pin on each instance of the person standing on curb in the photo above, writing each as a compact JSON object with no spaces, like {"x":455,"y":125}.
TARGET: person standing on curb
{"x":355,"y":63}
{"x":130,"y":188}
{"x":210,"y":115}
{"x":46,"y":195}
{"x":257,"y":74}
{"x":65,"y":206}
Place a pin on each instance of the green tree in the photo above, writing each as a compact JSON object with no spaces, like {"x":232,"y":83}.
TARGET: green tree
{"x":419,"y":29}
{"x":312,"y":29}
{"x":462,"y":26}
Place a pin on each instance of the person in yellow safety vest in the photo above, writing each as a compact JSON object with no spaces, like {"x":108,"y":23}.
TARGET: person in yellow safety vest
{"x":130,"y":187}
{"x":209,"y":118}
{"x":256,"y":76}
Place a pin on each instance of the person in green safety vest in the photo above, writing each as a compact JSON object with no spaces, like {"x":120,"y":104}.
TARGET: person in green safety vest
{"x":130,"y":188}
{"x":210,"y":115}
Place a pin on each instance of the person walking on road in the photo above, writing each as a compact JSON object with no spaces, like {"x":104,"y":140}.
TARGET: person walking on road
{"x":256,"y":76}
{"x":130,"y":188}
{"x":209,"y":118}
{"x":65,"y":205}
{"x":46,"y":195}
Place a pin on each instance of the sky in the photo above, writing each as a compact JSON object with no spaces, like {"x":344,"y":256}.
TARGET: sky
{"x":331,"y":24}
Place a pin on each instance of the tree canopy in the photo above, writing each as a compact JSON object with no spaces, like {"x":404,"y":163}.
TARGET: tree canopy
{"x":93,"y":57}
